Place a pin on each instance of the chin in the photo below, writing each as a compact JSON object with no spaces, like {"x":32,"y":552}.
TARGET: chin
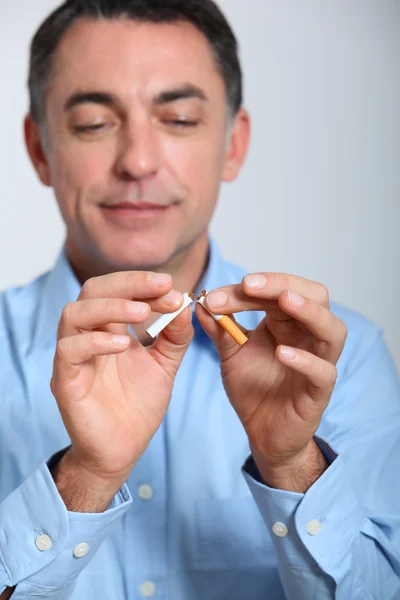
{"x":141,"y":256}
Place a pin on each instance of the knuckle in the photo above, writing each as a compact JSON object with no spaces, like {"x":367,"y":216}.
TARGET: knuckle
{"x":53,"y":385}
{"x":87,"y":288}
{"x":96,"y":340}
{"x":324,"y":292}
{"x":315,"y":310}
{"x":331,"y":374}
{"x":131,"y":279}
{"x":62,"y":347}
{"x":284,"y":281}
{"x":67,"y":312}
{"x":323,"y":347}
{"x":91,"y":339}
{"x":107,"y":305}
{"x":343,"y":333}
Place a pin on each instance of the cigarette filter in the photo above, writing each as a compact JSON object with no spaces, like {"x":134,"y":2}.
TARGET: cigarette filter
{"x":166,"y":319}
{"x":226,"y":323}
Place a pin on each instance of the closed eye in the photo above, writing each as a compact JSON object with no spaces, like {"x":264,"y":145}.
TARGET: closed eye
{"x":181,"y":123}
{"x":83,"y":128}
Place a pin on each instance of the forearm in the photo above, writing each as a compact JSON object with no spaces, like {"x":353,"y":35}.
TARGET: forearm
{"x":299,"y":476}
{"x":81,"y":491}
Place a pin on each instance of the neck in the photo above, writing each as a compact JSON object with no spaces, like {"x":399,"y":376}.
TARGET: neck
{"x":186,"y":267}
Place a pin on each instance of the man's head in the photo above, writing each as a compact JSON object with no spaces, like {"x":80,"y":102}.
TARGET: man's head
{"x":135,"y":102}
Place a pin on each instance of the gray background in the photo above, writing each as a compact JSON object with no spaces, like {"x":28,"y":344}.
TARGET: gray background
{"x":319,"y":194}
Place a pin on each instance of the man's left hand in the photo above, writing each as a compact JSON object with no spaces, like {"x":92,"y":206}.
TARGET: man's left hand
{"x":279,"y":398}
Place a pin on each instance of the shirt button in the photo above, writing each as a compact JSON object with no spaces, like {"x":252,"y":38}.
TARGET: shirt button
{"x":81,"y":550}
{"x":280,"y":529}
{"x":314,"y":527}
{"x":145,"y":492}
{"x":148,"y":589}
{"x":43,"y":542}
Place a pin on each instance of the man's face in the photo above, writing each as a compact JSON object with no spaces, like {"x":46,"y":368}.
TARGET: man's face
{"x":136,"y":116}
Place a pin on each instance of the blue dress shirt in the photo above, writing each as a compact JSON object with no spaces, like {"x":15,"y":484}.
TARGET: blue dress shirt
{"x":194,"y":521}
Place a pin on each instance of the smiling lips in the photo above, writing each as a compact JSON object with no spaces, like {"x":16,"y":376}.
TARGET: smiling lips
{"x":136,"y":206}
{"x":131,"y":215}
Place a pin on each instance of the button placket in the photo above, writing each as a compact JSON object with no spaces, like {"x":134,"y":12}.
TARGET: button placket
{"x":81,"y":550}
{"x":145,"y":491}
{"x":148,"y":589}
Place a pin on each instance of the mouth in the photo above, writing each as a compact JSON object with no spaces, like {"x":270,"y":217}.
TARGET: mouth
{"x":138,"y":206}
{"x":143,"y":214}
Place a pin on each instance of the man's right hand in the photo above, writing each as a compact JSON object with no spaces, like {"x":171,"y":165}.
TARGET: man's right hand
{"x":112,"y":397}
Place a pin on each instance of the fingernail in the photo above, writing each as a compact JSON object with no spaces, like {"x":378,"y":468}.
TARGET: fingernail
{"x":217,"y":299}
{"x":256,"y":281}
{"x":295,"y":299}
{"x":160,"y":279}
{"x":137,"y":308}
{"x":120,"y":340}
{"x":287,"y":352}
{"x":172,"y":298}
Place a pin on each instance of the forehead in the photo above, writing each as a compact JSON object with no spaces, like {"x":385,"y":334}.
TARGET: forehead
{"x":140,"y":57}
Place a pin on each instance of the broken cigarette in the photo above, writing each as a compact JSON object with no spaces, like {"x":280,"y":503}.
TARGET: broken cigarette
{"x":166,"y":319}
{"x":225,"y":322}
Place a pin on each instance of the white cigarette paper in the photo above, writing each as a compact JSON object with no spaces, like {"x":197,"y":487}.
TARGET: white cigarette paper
{"x":165,"y":320}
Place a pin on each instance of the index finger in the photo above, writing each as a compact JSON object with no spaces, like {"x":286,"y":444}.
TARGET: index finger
{"x":132,"y":285}
{"x":264,"y":292}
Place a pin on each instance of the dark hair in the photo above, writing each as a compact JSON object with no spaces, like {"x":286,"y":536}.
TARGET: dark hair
{"x":203,"y":14}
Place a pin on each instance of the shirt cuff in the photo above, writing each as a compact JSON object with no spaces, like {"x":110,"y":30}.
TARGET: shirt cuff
{"x":324,"y":521}
{"x":36,"y":530}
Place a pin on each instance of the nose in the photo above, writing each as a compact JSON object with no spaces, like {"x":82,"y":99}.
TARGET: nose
{"x":139,"y":154}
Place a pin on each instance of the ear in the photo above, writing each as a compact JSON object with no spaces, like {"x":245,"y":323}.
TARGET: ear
{"x":238,"y":145}
{"x":34,"y":145}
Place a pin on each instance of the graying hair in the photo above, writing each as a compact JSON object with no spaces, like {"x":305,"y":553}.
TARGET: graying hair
{"x":203,"y":14}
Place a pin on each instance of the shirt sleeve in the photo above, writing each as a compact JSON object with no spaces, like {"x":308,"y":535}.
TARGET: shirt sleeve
{"x":43,"y":546}
{"x":341,"y":539}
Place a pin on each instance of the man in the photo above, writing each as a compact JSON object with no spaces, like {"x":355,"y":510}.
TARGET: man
{"x":136,"y":117}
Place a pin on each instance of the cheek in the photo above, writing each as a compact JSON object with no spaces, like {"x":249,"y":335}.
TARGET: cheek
{"x":198,"y":163}
{"x":78,"y":174}
{"x":81,"y":169}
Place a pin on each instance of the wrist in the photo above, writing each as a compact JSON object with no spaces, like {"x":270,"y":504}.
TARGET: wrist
{"x":296,"y":475}
{"x":81,"y":490}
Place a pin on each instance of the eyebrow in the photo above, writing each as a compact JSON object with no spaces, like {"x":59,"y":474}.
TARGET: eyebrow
{"x":183,"y":92}
{"x":89,"y":98}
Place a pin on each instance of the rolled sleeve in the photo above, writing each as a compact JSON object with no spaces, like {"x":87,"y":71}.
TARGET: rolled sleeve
{"x":36,"y":509}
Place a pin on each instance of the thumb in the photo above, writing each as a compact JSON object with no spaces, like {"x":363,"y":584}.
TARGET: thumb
{"x":171,"y":344}
{"x":225,"y":344}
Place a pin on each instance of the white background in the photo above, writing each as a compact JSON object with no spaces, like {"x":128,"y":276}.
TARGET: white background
{"x":319,"y":195}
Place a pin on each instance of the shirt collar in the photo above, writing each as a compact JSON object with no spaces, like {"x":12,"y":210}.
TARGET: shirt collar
{"x":62,"y":286}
